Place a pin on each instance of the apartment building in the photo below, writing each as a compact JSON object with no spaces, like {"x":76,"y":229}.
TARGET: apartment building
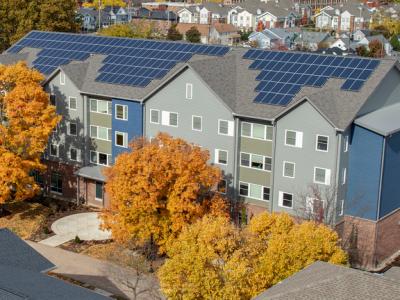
{"x":288,"y":129}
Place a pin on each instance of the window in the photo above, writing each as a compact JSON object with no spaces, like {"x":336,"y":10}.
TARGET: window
{"x":121,"y":139}
{"x":344,"y":171}
{"x":322,"y":176}
{"x":285,"y":199}
{"x":225,"y":127}
{"x":99,"y":191}
{"x":103,"y":159}
{"x":38,"y":177}
{"x":121,"y":112}
{"x":266,"y":193}
{"x":221,"y":157}
{"x":72,"y":129}
{"x":243,"y":189}
{"x":255,"y":161}
{"x":53,"y":100}
{"x":62,"y":78}
{"x":322,"y":143}
{"x":222,"y":186}
{"x":73,"y":154}
{"x":99,"y":158}
{"x":54,"y":150}
{"x":169,"y":118}
{"x":346,"y":144}
{"x":189,"y":91}
{"x":289,"y":169}
{"x":341,"y":209}
{"x":56,"y":183}
{"x":294,"y":138}
{"x":72,"y":103}
{"x":101,"y":133}
{"x":197,"y":123}
{"x":257,"y":131}
{"x":254,"y":191}
{"x":154,"y":116}
{"x":101,"y":106}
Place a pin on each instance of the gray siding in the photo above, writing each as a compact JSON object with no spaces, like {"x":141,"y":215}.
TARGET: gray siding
{"x":307,"y":120}
{"x":172,"y":98}
{"x":65,"y":141}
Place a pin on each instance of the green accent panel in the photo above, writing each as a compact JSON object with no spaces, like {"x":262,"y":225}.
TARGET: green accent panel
{"x":256,"y":146}
{"x":255,"y":176}
{"x":101,"y":146}
{"x":100,"y":119}
{"x":255,"y":202}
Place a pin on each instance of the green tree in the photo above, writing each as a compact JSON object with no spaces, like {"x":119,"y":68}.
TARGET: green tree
{"x":193,"y":35}
{"x":394,"y":41}
{"x":58,"y":15}
{"x":362,"y":51}
{"x":174,"y":34}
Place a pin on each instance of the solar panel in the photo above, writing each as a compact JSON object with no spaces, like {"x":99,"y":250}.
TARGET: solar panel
{"x":132,"y":62}
{"x":283,"y":74}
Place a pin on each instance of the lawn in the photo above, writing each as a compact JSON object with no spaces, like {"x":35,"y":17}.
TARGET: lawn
{"x":25,"y":219}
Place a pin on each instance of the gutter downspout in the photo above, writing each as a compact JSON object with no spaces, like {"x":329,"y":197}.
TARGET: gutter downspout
{"x":235,"y":164}
{"x":274,"y":126}
{"x":338,"y":147}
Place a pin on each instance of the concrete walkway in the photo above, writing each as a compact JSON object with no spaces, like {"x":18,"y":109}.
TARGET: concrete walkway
{"x":122,"y":282}
{"x":84,"y":225}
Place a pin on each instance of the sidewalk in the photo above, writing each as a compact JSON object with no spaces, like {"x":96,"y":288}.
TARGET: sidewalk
{"x":109,"y":277}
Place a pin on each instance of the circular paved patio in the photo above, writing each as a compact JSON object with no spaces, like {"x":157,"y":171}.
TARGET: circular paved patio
{"x":84,"y":225}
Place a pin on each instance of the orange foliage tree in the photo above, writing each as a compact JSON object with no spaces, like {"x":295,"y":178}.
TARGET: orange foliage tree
{"x":260,"y":26}
{"x":26,"y":121}
{"x":159,"y":187}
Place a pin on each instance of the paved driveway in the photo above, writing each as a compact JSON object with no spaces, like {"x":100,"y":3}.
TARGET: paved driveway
{"x":106,"y":276}
{"x":84,"y":225}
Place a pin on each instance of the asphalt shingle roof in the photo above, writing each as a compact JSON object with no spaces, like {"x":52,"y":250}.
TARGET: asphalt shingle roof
{"x":326,"y":281}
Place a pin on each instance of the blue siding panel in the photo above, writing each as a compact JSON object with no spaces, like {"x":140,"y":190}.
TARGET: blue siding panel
{"x":133,"y":126}
{"x":390,"y":199}
{"x":364,"y":174}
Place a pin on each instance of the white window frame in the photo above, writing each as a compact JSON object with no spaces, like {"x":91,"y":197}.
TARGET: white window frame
{"x":299,"y":138}
{"x":125,"y":139}
{"x":248,"y":189}
{"x":159,"y":116}
{"x":316,"y":143}
{"x":249,"y":185}
{"x":69,"y":128}
{"x":62,"y":78}
{"x":346,"y":143}
{"x":58,"y":150}
{"x":231,"y":126}
{"x":344,"y":175}
{"x":226,"y":186}
{"x":216,"y":158}
{"x":166,"y":118}
{"x":341,"y":211}
{"x":69,"y":103}
{"x":189,"y":91}
{"x":97,"y":131}
{"x":97,"y":158}
{"x":251,"y":131}
{"x":251,"y":159}
{"x":294,"y":169}
{"x":327,"y":176}
{"x":201,"y":123}
{"x":109,"y":111}
{"x":124,"y":112}
{"x":78,"y":153}
{"x":280,"y":200}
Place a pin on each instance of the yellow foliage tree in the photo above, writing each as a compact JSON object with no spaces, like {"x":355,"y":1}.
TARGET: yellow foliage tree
{"x":271,"y":248}
{"x":158,"y":188}
{"x":137,"y":30}
{"x":26,"y":121}
{"x":103,"y":3}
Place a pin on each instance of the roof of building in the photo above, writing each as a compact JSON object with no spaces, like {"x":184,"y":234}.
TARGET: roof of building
{"x":23,"y":274}
{"x":312,"y":37}
{"x":393,"y":273}
{"x":204,"y":29}
{"x":92,"y":172}
{"x":384,"y":121}
{"x":322,"y":280}
{"x":225,"y":28}
{"x":14,"y":252}
{"x":217,"y":8}
{"x":18,"y":284}
{"x":154,"y":14}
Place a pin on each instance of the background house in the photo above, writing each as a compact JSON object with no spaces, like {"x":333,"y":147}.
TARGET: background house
{"x":272,"y":38}
{"x":225,"y":34}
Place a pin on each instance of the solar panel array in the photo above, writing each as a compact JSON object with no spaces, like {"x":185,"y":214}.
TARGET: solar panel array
{"x":134,"y":62}
{"x":283,"y":74}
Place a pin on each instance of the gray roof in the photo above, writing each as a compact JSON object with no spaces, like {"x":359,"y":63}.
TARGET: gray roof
{"x":14,"y":252}
{"x":311,"y":37}
{"x":384,"y":121}
{"x":393,"y":273}
{"x":326,"y":281}
{"x":18,"y":283}
{"x":27,"y":54}
{"x":92,"y":172}
{"x":217,"y":8}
